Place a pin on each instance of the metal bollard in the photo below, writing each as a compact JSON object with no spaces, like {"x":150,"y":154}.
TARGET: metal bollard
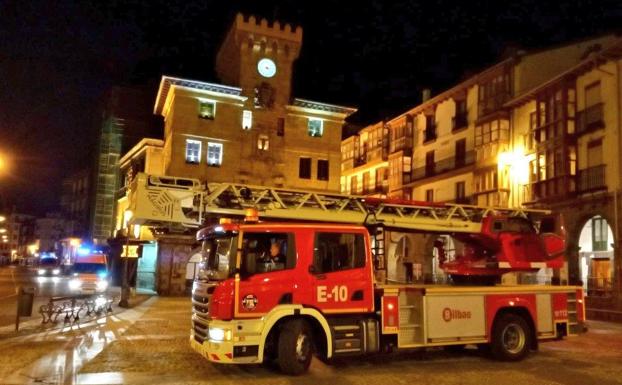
{"x":25,"y":300}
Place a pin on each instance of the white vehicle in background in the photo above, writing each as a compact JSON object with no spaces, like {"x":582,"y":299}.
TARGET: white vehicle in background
{"x":89,"y":274}
{"x":48,"y":266}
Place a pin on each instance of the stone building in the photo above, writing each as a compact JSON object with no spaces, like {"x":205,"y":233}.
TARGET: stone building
{"x":250,"y":129}
{"x":538,"y":129}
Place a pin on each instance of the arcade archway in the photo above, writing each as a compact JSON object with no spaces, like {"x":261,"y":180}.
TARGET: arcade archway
{"x":596,"y":257}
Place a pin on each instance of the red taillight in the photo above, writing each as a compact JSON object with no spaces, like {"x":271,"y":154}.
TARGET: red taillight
{"x":390,"y":313}
{"x":580,"y":305}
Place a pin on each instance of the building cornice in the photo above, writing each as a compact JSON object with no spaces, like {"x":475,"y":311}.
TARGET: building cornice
{"x":168,"y":82}
{"x":140,"y":147}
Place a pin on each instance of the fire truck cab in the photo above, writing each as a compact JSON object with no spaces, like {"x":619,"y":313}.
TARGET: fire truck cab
{"x":270,"y":291}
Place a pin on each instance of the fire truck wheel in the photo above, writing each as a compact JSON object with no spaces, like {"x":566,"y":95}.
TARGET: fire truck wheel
{"x":511,"y":338}
{"x":295,"y":347}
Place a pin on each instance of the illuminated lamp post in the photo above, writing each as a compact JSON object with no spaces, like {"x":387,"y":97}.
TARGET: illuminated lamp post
{"x":125,"y":279}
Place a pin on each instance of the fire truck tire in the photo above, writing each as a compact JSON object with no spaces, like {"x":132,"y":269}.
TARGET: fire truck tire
{"x":295,"y":347}
{"x":511,"y":338}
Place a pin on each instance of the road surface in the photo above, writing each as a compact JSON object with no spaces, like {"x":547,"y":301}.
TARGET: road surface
{"x":149,"y":345}
{"x":12,"y":277}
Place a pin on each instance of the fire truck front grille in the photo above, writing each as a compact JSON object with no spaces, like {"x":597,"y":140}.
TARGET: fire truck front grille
{"x":200,"y":331}
{"x":200,"y":308}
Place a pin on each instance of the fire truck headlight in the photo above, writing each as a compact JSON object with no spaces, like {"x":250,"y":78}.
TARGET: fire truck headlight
{"x":56,"y":271}
{"x":102,"y":285}
{"x":218,"y":334}
{"x":41,"y":271}
{"x":75,"y":284}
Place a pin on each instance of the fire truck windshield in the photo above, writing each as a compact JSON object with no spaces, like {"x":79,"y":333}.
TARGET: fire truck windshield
{"x":218,"y":256}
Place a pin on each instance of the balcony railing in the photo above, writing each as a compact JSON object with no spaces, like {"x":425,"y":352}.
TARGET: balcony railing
{"x":528,"y":193}
{"x":459,"y":121}
{"x":376,"y":189}
{"x":560,"y":187}
{"x":464,"y":200}
{"x":405,"y":143}
{"x":376,"y":153}
{"x":590,"y":119}
{"x":592,"y":179}
{"x":599,"y":287}
{"x":444,"y":165}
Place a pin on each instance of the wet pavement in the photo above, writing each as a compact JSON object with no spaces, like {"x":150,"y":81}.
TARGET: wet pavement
{"x":148,"y":344}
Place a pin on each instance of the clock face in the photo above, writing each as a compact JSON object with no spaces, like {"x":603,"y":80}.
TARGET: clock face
{"x":266,"y":68}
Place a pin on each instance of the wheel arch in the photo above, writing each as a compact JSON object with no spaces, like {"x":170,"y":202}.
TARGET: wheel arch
{"x":278,"y":316}
{"x":522,"y":312}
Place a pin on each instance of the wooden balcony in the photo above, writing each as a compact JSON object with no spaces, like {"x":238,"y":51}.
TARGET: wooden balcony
{"x":405,"y":143}
{"x":592,"y":179}
{"x":590,"y":119}
{"x":553,"y":189}
{"x":444,"y":165}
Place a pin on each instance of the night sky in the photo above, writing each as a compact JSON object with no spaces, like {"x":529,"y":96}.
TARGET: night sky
{"x":57,"y":58}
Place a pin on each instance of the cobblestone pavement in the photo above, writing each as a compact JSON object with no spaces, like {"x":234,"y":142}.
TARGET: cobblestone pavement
{"x":149,"y":345}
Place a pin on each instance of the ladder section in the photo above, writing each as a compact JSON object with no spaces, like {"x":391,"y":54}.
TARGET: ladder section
{"x":573,"y":317}
{"x":286,"y":204}
{"x":165,"y":201}
{"x":162,"y":201}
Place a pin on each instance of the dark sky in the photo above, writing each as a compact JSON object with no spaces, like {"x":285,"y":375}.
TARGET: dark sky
{"x":57,"y":58}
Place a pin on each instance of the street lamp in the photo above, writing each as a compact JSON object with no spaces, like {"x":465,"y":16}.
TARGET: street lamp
{"x":4,"y":164}
{"x":125,"y":280}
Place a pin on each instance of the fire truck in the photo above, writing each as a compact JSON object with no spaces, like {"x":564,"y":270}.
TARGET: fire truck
{"x":298,"y":277}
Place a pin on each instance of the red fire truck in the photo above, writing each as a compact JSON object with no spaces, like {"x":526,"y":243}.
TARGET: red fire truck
{"x":306,"y":284}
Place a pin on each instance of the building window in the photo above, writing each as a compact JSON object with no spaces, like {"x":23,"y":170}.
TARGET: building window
{"x":322,"y":169}
{"x":497,"y":130}
{"x":460,"y":153}
{"x":460,"y":119}
{"x":493,"y":94}
{"x":315,"y":127}
{"x":429,"y":195}
{"x":354,"y":188}
{"x":193,"y":151}
{"x":304,"y":168}
{"x":460,"y":192}
{"x":366,"y":182}
{"x":599,"y":234}
{"x":207,"y":109}
{"x":592,"y":94}
{"x":247,"y":119}
{"x":280,"y":127}
{"x":430,"y":129}
{"x":263,"y":142}
{"x":214,"y":154}
{"x":429,"y":163}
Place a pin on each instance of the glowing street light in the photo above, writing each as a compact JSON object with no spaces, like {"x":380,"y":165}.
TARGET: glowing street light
{"x":4,"y":164}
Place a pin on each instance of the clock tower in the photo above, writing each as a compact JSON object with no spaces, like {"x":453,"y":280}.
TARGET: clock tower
{"x":258,"y":57}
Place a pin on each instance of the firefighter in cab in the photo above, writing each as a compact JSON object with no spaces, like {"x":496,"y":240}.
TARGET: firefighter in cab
{"x":274,"y":259}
